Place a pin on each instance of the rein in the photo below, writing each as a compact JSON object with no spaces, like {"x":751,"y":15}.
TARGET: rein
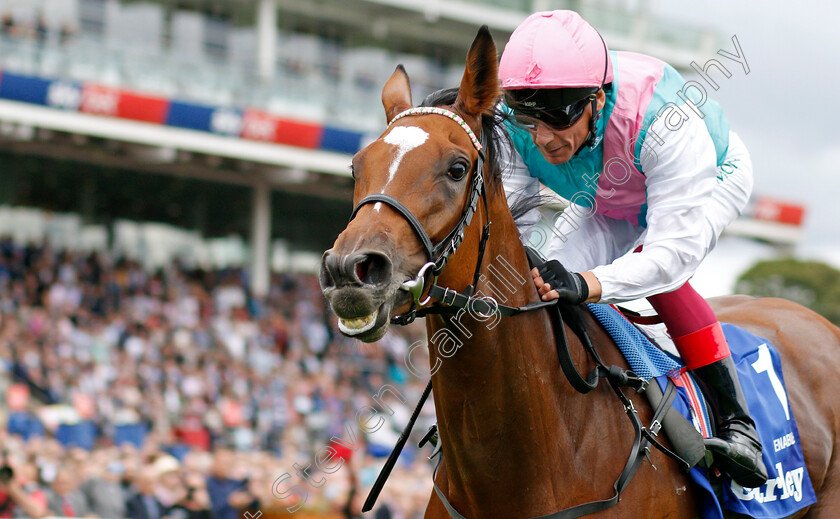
{"x":454,"y":301}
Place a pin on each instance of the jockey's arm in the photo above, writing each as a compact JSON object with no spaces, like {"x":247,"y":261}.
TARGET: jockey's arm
{"x":518,"y":183}
{"x":594,"y":287}
{"x":680,"y":176}
{"x":679,"y":179}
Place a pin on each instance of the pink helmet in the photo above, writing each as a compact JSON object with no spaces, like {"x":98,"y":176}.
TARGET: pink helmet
{"x":555,"y":49}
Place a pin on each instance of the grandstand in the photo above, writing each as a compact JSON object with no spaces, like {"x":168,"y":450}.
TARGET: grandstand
{"x":172,"y":171}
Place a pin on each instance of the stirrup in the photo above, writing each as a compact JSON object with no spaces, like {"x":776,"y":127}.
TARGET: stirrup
{"x":739,"y":458}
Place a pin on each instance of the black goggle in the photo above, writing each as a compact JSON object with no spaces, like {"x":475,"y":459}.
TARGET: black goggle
{"x":558,"y":108}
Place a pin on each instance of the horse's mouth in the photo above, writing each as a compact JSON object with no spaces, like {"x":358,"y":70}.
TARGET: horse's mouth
{"x":359,"y":316}
{"x":369,"y":328}
{"x":357,"y":325}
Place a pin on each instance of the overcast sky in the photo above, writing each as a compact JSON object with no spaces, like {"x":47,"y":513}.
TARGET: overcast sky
{"x":786,"y":109}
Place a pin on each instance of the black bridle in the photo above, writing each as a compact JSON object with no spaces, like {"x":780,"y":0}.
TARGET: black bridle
{"x":439,"y":253}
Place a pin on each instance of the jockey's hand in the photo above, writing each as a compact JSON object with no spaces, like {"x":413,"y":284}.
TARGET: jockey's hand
{"x":553,"y":281}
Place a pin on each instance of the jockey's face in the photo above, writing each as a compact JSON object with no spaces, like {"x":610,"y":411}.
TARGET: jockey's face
{"x":559,"y":146}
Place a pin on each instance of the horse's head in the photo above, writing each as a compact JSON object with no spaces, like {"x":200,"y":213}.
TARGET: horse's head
{"x":414,"y":185}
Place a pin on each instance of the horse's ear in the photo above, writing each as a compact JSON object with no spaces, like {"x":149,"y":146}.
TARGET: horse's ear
{"x":396,"y":94}
{"x":479,"y":90}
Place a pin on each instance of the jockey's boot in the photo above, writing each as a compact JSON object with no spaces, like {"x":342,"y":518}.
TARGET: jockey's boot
{"x":736,"y":447}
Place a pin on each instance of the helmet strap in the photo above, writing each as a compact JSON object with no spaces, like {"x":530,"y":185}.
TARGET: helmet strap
{"x":593,"y":139}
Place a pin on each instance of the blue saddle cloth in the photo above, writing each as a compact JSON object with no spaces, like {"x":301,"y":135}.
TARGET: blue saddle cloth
{"x":788,"y":488}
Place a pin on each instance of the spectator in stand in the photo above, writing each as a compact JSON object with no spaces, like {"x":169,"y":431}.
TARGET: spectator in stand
{"x":7,"y":25}
{"x":170,"y":489}
{"x":186,"y":359}
{"x":196,"y":501}
{"x":227,"y":495}
{"x":7,"y":504}
{"x":20,"y":494}
{"x":65,"y":499}
{"x":41,"y":30}
{"x":104,"y":492}
{"x":144,"y":504}
{"x":66,"y":34}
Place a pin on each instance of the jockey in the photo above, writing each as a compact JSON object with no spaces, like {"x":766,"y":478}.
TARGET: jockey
{"x":644,"y":172}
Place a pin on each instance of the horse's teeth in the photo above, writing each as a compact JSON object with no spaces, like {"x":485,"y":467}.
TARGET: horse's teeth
{"x":357,"y":325}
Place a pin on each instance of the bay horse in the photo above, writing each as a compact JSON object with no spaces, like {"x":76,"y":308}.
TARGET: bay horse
{"x":518,"y":441}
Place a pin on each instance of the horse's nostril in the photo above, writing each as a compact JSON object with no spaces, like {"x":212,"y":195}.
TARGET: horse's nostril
{"x":362,"y":268}
{"x":373,"y":268}
{"x":367,"y":268}
{"x":329,"y":273}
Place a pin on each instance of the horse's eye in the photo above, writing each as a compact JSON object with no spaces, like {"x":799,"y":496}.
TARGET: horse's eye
{"x":458,"y":170}
{"x":353,"y":171}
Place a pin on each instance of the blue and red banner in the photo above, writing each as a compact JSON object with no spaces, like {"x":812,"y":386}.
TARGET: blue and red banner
{"x":252,"y":124}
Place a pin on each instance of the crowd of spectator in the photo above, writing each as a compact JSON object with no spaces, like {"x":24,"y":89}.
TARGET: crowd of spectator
{"x":229,"y":392}
{"x":36,"y":29}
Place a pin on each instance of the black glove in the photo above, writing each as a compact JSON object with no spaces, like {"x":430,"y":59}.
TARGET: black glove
{"x":570,"y":286}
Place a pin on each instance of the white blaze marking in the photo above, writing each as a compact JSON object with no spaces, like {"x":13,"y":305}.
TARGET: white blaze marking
{"x":405,"y":138}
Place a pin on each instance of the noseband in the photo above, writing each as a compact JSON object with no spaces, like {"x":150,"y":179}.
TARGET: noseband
{"x":439,"y":253}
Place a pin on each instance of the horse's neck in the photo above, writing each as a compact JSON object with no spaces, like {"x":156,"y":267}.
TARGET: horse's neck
{"x":499,"y":398}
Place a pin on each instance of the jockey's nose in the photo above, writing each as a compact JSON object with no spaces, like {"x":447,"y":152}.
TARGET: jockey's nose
{"x":542,"y":135}
{"x":370,"y":268}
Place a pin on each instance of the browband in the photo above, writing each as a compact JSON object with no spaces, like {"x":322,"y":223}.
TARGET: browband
{"x":426,"y":110}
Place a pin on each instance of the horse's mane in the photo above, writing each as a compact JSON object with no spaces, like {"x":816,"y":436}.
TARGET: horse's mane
{"x":494,"y":125}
